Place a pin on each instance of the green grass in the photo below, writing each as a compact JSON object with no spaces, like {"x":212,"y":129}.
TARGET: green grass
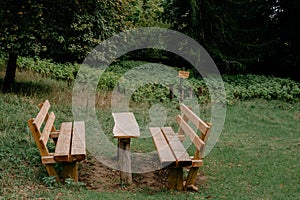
{"x":257,"y":155}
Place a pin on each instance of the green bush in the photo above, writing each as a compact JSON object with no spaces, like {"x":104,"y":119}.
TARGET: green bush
{"x":254,"y":86}
{"x":48,"y":68}
{"x":237,"y":87}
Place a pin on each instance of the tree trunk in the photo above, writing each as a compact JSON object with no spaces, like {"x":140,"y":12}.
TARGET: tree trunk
{"x":10,"y":72}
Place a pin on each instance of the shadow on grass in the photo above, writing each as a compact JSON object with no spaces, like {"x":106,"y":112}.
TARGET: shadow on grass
{"x":29,"y":88}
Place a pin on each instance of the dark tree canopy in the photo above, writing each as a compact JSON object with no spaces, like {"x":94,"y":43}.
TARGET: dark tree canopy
{"x":61,"y":30}
{"x":242,"y":36}
{"x":20,"y":23}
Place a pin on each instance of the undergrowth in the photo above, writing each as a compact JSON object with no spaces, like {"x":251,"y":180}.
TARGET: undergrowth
{"x":237,"y":87}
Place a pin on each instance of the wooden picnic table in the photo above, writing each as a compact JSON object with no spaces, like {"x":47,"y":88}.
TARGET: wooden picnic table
{"x":125,"y":128}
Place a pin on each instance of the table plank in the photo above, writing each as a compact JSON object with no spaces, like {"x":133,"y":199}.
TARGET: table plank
{"x":125,"y":125}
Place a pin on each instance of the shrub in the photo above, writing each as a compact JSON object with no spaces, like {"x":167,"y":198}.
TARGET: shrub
{"x":237,"y":87}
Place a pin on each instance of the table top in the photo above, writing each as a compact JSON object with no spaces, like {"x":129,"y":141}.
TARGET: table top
{"x":125,"y":125}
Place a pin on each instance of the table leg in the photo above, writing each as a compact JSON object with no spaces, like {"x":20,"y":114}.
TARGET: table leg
{"x":124,"y":160}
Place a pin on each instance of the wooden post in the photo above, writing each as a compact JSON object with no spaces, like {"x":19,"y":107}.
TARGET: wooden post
{"x":191,"y":179}
{"x":182,"y":75}
{"x":175,"y":178}
{"x":171,"y":91}
{"x":191,"y":92}
{"x":70,"y":170}
{"x":125,"y":160}
{"x":181,"y":91}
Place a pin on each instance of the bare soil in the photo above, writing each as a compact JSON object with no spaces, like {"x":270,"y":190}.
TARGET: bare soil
{"x":99,"y":177}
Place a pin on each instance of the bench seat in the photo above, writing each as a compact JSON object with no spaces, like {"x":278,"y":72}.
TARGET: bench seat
{"x":171,"y":152}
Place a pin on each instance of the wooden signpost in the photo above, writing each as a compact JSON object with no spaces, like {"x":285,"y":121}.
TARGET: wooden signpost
{"x":182,"y":75}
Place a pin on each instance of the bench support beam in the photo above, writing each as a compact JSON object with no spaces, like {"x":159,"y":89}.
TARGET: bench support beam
{"x":51,"y":171}
{"x":175,"y":178}
{"x":191,"y":179}
{"x":70,"y":170}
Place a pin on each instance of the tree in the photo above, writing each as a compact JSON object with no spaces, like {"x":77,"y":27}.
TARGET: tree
{"x":62,"y":30}
{"x":19,"y":25}
{"x":235,"y":32}
{"x":81,"y":25}
{"x":287,"y":53}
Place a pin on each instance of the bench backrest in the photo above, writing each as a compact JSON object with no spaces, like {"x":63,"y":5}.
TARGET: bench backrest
{"x":41,"y":126}
{"x":187,"y":115}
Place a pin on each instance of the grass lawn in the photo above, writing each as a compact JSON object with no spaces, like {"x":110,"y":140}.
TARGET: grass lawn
{"x":257,"y":155}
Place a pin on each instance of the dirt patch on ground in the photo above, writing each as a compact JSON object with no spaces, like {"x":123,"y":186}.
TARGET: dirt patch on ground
{"x":99,"y":177}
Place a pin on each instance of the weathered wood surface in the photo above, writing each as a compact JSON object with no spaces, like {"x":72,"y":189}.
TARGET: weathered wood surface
{"x":165,"y":154}
{"x":126,"y":125}
{"x":199,"y":144}
{"x":191,"y":116}
{"x":48,"y":159}
{"x":191,"y":179}
{"x":70,"y":170}
{"x":125,"y":160}
{"x":175,"y":178}
{"x":78,"y":148}
{"x":38,"y":121}
{"x":47,"y":129}
{"x":182,"y":157}
{"x":63,"y":146}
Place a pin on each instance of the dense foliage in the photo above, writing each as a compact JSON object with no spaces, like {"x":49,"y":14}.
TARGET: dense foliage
{"x":242,"y":36}
{"x":242,"y":87}
{"x":62,"y":30}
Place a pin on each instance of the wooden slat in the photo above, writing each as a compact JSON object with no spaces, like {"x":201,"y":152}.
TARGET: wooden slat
{"x":38,"y":121}
{"x":47,"y":129}
{"x":201,"y":125}
{"x":197,"y":163}
{"x":62,"y":150}
{"x":36,"y":135}
{"x":78,"y":151}
{"x":164,"y":152}
{"x":180,"y":131}
{"x":48,"y":160}
{"x":199,"y":144}
{"x":54,"y":135}
{"x":182,"y":157}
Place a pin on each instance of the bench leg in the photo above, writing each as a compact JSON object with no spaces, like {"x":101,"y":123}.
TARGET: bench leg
{"x":175,"y":178}
{"x":51,"y":171}
{"x":191,"y":179}
{"x":70,"y":170}
{"x":124,"y":160}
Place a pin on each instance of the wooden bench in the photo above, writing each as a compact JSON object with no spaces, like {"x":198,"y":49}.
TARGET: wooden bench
{"x":172,"y":153}
{"x":69,"y":142}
